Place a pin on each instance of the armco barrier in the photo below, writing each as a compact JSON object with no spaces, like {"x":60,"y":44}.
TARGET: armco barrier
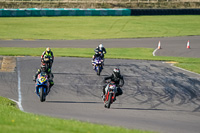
{"x":165,"y":12}
{"x":63,"y":12}
{"x":28,"y":12}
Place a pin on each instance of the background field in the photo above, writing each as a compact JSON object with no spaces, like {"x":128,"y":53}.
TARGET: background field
{"x":69,"y":28}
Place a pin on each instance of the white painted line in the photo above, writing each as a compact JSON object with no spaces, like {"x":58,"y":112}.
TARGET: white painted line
{"x":14,"y":101}
{"x":19,"y":86}
{"x":154,"y":52}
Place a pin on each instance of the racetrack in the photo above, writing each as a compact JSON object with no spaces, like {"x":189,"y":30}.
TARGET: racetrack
{"x":172,"y":46}
{"x":156,"y":96}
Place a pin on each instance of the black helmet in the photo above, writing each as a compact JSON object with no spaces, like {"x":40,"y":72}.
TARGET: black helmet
{"x":43,"y":67}
{"x":116,"y":72}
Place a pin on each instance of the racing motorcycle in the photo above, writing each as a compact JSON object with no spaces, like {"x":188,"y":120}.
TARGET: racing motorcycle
{"x":110,"y":94}
{"x":47,"y":60}
{"x":42,"y":86}
{"x":98,"y":62}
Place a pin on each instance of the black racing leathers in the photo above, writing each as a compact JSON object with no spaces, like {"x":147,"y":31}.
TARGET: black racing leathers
{"x":98,"y":49}
{"x":119,"y":81}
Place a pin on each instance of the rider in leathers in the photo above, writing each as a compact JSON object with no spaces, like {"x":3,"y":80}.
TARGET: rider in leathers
{"x":100,"y":48}
{"x":97,"y":54}
{"x":118,"y":79}
{"x":48,"y":72}
{"x":47,"y":53}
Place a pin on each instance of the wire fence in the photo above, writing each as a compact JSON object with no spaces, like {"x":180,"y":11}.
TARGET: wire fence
{"x":106,"y":1}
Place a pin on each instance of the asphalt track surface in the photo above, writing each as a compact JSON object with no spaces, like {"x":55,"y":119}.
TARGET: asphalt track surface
{"x":157,"y":96}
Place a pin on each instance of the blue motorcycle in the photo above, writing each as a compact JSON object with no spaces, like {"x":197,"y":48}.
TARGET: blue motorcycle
{"x":42,"y":86}
{"x":98,"y":62}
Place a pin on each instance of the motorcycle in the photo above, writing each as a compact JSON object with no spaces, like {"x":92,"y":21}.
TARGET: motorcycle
{"x":42,"y":86}
{"x":110,"y":94}
{"x":98,"y":62}
{"x":48,"y":61}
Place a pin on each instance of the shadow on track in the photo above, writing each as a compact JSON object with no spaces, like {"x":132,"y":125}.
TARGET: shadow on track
{"x":73,"y":102}
{"x":151,"y":109}
{"x":78,"y":74}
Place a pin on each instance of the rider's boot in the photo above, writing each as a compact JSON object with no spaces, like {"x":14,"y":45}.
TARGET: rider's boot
{"x":103,"y":96}
{"x":101,"y":65}
{"x":114,"y":99}
{"x":51,"y":84}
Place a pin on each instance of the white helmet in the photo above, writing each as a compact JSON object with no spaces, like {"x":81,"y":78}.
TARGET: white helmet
{"x":100,"y":46}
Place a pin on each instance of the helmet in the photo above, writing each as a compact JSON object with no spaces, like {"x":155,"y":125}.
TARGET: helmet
{"x":100,"y":46}
{"x":48,"y":50}
{"x":116,"y":72}
{"x":43,"y":67}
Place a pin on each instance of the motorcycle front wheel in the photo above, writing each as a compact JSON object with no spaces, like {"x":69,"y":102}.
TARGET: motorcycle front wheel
{"x":107,"y":105}
{"x":98,"y":70}
{"x":42,"y":96}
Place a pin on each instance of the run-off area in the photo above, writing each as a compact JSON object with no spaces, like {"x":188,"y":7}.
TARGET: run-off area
{"x":7,"y":64}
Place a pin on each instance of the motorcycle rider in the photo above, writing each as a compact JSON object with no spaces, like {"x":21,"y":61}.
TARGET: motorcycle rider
{"x":48,"y":72}
{"x":47,"y":53}
{"x":100,"y":48}
{"x":118,"y":79}
{"x":97,"y":54}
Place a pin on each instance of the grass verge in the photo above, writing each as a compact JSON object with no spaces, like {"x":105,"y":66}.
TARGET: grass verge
{"x":192,"y":64}
{"x":14,"y":120}
{"x":105,"y":27}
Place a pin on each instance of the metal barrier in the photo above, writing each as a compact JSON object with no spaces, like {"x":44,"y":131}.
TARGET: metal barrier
{"x":28,"y":12}
{"x":137,"y":12}
{"x":63,"y":12}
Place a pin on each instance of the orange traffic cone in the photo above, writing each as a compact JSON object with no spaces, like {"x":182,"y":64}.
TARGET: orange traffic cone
{"x":159,"y":47}
{"x":188,"y":44}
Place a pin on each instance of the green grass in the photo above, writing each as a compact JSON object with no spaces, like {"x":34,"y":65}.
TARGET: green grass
{"x":69,"y":28}
{"x":192,"y":64}
{"x":15,"y":121}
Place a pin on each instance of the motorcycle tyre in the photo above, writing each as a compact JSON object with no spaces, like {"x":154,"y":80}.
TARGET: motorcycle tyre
{"x":109,"y":100}
{"x":42,"y":96}
{"x":98,"y":70}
